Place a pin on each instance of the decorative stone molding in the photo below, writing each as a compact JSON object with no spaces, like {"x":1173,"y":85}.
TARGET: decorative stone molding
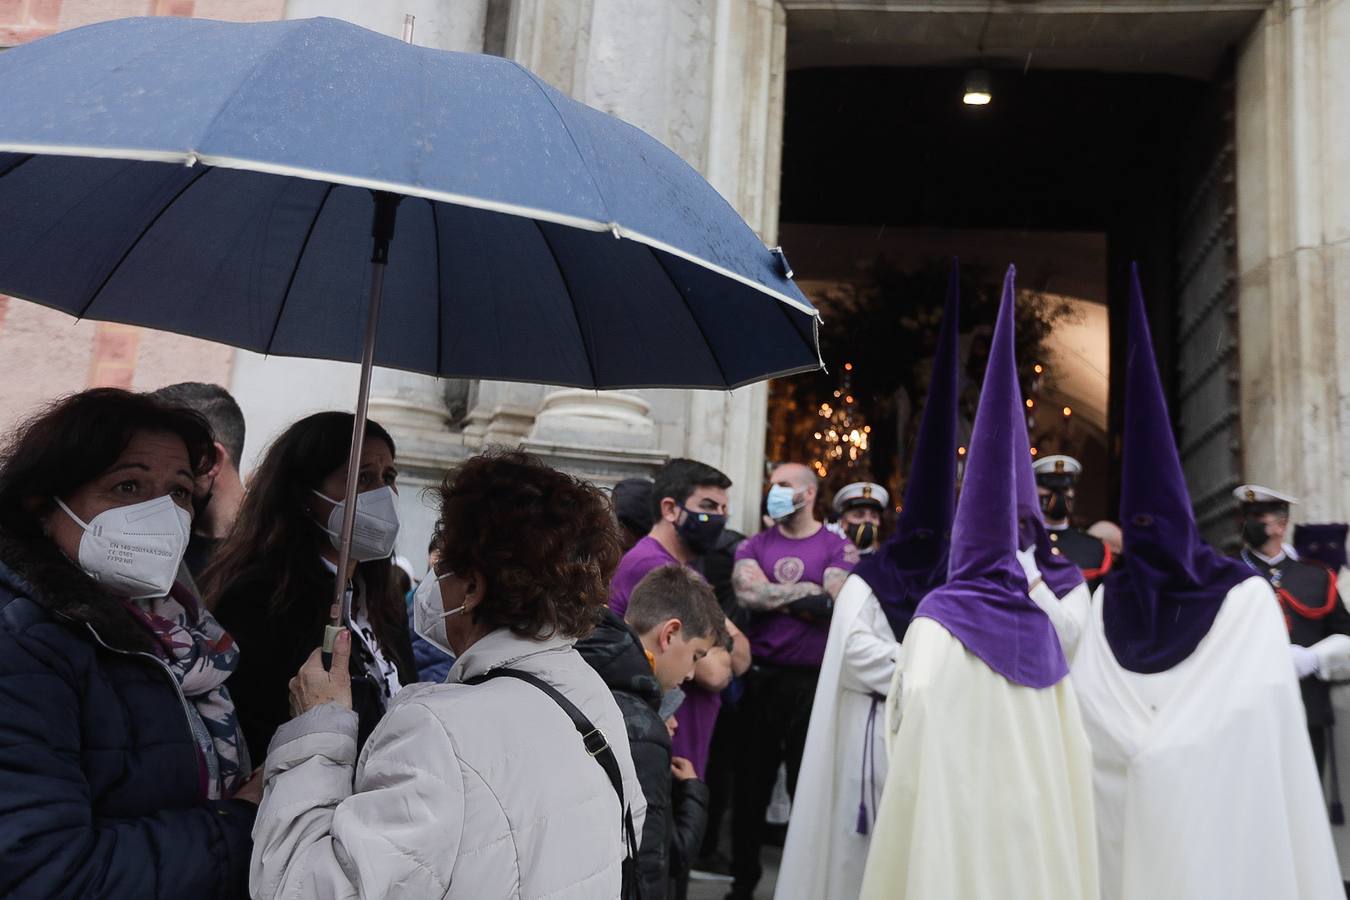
{"x":594,"y":418}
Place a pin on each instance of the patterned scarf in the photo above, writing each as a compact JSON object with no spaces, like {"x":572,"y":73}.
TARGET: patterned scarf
{"x":201,"y":655}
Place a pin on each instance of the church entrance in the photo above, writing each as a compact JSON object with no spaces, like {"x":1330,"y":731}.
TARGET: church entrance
{"x":1073,"y":168}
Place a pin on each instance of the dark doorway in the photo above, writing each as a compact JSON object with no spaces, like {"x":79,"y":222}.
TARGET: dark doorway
{"x":1061,"y":165}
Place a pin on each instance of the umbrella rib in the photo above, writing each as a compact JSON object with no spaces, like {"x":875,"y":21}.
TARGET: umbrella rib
{"x":576,"y":315}
{"x":295,"y":270}
{"x":689,"y":309}
{"x":600,"y":195}
{"x":25,"y":158}
{"x":436,"y":239}
{"x":196,"y":177}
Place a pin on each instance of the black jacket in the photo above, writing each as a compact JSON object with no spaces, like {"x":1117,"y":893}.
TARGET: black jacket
{"x":100,"y":785}
{"x":273,"y":646}
{"x":676,"y":816}
{"x":1088,"y":553}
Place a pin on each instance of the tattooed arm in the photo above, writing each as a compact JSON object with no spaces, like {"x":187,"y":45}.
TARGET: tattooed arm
{"x":834,"y":580}
{"x":755,"y":592}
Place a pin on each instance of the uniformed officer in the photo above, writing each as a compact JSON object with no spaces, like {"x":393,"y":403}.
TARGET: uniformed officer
{"x":1307,"y":592}
{"x":1056,"y":477}
{"x":858,"y":508}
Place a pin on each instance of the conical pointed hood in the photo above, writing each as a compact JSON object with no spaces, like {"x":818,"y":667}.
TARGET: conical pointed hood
{"x":1059,"y":572}
{"x":1162,"y":601}
{"x":913,"y":561}
{"x":984,"y":603}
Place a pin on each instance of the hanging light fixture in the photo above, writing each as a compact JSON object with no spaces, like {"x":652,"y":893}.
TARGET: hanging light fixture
{"x":978,"y":92}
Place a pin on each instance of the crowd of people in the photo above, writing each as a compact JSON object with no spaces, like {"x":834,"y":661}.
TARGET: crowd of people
{"x":976,"y":701}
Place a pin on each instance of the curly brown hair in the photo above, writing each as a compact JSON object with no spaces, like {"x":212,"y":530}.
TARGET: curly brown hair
{"x":544,"y":542}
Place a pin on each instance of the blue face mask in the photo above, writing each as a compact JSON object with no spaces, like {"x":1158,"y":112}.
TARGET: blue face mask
{"x":782,"y":502}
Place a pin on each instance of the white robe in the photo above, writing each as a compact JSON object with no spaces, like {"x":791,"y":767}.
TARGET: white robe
{"x":1340,"y":706}
{"x":824,"y":854}
{"x":1068,"y":614}
{"x":1204,"y":779}
{"x":989,"y":795}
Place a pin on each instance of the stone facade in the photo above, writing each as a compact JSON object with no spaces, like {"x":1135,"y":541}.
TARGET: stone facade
{"x":1293,"y":143}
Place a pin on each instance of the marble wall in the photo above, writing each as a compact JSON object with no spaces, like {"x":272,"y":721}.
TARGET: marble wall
{"x":1293,"y":143}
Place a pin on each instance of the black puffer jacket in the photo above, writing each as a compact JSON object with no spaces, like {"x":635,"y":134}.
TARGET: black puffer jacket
{"x":669,"y":835}
{"x":101,"y":791}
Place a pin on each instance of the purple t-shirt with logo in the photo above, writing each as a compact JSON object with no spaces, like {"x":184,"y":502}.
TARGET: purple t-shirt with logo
{"x":776,"y":637}
{"x":641,"y":558}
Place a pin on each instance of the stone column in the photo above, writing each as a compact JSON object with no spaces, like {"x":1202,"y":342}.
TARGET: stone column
{"x":1293,"y":132}
{"x":706,"y":77}
{"x":608,"y":53}
{"x":501,"y":413}
{"x":413,"y":407}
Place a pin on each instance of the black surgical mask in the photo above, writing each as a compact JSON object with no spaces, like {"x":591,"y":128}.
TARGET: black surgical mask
{"x":1254,"y":533}
{"x":862,"y":534}
{"x":700,"y":530}
{"x":1056,"y":505}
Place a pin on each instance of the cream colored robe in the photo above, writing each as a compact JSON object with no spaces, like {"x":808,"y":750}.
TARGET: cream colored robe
{"x":989,"y":795}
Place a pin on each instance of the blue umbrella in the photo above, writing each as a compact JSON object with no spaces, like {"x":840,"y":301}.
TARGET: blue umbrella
{"x":311,"y":188}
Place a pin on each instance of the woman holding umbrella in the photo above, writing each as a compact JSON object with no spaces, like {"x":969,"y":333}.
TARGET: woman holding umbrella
{"x":271,"y":582}
{"x":122,"y":771}
{"x":483,"y":786}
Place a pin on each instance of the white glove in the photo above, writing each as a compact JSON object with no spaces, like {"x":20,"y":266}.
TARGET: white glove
{"x":1333,"y":657}
{"x":1305,"y":661}
{"x":1027,"y":558}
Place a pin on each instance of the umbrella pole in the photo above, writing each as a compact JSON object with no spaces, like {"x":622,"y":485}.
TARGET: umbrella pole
{"x":381,"y":232}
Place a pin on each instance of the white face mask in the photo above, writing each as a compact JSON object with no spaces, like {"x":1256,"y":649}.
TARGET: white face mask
{"x":429,"y":612}
{"x":376,"y":526}
{"x":134,"y":551}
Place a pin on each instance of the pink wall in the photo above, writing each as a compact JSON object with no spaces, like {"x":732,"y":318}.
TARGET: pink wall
{"x":45,"y":354}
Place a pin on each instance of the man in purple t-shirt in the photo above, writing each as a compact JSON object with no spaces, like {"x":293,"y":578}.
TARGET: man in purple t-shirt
{"x":787,"y":577}
{"x":689,"y":505}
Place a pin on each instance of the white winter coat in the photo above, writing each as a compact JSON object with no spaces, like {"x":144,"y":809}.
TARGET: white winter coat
{"x":462,"y":791}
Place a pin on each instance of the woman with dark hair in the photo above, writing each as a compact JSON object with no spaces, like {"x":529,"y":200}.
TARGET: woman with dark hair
{"x":122,"y":770}
{"x":271,"y":582}
{"x":482,"y":786}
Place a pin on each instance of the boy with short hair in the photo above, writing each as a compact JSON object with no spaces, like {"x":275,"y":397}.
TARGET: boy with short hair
{"x":672,"y":620}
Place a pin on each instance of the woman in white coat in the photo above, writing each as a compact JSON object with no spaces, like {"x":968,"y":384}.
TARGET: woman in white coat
{"x":479,"y":787}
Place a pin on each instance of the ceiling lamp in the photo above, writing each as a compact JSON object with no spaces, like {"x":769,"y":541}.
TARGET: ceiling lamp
{"x":978,"y":92}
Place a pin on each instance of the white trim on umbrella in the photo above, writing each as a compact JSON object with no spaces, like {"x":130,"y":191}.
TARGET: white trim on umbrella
{"x":190,"y":158}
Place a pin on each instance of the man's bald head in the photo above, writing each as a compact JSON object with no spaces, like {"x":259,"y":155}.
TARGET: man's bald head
{"x":796,"y":476}
{"x":804,"y":485}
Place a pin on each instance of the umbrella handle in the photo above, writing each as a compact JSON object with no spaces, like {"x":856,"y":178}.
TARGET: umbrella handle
{"x":330,"y":635}
{"x":381,"y":232}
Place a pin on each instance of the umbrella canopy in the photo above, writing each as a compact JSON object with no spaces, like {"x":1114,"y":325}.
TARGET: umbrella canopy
{"x":215,"y":179}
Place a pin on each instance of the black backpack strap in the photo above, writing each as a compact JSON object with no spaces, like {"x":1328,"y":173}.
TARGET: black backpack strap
{"x":592,"y":738}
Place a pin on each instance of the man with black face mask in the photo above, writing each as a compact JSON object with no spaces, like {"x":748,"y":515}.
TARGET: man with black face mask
{"x":1056,"y":477}
{"x":689,"y":510}
{"x":1307,"y":591}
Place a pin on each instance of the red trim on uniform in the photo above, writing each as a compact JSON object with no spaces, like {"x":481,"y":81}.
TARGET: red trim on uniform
{"x":1105,"y":567}
{"x":1292,"y":603}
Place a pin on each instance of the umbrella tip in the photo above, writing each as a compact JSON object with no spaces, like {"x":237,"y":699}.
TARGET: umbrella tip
{"x":408,"y":19}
